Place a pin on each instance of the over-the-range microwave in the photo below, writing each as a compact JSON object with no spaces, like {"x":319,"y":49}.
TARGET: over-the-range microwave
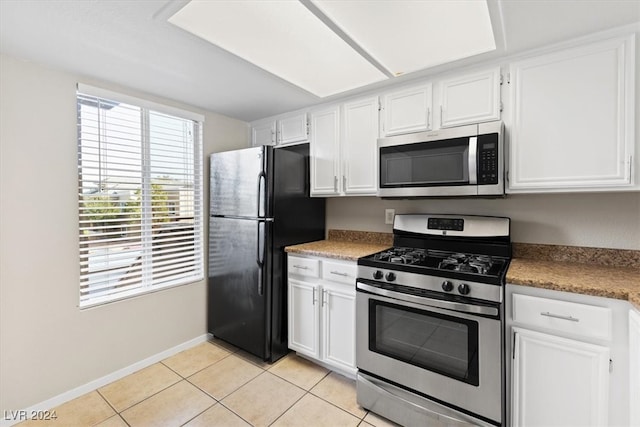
{"x":461,"y":161}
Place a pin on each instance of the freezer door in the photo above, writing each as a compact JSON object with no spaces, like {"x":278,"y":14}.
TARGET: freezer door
{"x":239,"y":283}
{"x":239,"y":182}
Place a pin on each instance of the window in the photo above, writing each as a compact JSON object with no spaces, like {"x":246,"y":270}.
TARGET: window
{"x":139,"y":196}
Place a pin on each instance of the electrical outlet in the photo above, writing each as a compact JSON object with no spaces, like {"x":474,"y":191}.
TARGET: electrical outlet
{"x":388,"y":216}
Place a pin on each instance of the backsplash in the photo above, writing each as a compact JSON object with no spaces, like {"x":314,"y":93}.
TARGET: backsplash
{"x":608,"y":220}
{"x":361,"y":237}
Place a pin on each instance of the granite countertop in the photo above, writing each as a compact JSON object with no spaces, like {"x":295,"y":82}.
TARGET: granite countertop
{"x":345,"y":244}
{"x":338,"y":249}
{"x":609,"y":273}
{"x":601,"y":272}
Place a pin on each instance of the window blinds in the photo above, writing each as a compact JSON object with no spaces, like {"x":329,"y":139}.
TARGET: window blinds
{"x":140,"y":199}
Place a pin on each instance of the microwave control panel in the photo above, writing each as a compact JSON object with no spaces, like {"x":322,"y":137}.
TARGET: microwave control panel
{"x":488,"y":159}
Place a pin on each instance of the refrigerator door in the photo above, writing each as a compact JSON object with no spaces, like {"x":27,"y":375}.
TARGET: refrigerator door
{"x":240,"y":183}
{"x":239,"y":288}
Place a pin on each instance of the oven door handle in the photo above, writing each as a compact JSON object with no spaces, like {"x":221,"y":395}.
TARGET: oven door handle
{"x":448,"y":305}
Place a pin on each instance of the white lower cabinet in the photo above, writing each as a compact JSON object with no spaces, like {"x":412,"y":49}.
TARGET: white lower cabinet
{"x":558,"y":381}
{"x":304,"y":323}
{"x":322,"y":311}
{"x":571,"y":359}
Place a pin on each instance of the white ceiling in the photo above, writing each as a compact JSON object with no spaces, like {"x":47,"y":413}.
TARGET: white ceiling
{"x":130,"y":43}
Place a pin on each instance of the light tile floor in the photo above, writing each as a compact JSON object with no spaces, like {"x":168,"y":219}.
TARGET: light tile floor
{"x":215,"y":384}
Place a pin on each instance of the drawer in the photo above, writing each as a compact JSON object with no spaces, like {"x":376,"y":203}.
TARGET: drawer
{"x":339,"y":272}
{"x":303,"y":266}
{"x":577,"y":319}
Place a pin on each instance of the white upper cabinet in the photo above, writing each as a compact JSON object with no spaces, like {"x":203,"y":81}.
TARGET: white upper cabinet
{"x":325,"y":151}
{"x":344,"y":149}
{"x":263,"y":132}
{"x":292,"y":129}
{"x":288,"y":129}
{"x":407,"y":110}
{"x":573,"y":119}
{"x":359,"y":147}
{"x":470,"y":98}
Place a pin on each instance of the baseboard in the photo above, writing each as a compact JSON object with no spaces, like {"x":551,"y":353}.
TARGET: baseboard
{"x":96,"y":384}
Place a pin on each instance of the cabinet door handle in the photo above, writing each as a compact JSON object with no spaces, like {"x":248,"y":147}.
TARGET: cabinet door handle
{"x":324,"y":298}
{"x":335,"y":183}
{"x":301,"y":267}
{"x":428,"y":118}
{"x":344,"y":183}
{"x":314,"y":297}
{"x":337,"y":273}
{"x":559,"y":316}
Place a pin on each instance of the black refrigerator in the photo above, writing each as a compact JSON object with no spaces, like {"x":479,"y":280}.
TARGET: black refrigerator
{"x":259,"y":203}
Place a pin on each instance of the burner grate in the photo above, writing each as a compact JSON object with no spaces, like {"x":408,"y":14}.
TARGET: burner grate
{"x":467,"y":263}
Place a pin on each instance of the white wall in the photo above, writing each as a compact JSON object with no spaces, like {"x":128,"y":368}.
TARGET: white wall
{"x":609,"y":220}
{"x":49,"y":346}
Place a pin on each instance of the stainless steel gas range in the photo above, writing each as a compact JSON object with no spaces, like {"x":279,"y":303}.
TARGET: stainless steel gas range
{"x":430,"y":322}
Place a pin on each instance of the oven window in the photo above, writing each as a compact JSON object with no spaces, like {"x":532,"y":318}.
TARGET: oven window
{"x":434,"y":163}
{"x":444,"y":344}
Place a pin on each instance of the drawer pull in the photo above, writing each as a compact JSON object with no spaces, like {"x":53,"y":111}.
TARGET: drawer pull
{"x":337,"y":273}
{"x":301,"y":267}
{"x":558,"y":316}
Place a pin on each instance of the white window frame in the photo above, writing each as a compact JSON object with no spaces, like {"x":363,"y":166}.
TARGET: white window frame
{"x":146,"y":283}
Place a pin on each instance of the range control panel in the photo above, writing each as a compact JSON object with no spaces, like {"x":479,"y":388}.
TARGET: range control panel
{"x":455,"y":224}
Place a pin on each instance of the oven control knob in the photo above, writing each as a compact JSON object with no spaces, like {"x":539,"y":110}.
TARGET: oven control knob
{"x":377,"y":275}
{"x":447,"y":286}
{"x":463,"y":289}
{"x":390,"y":277}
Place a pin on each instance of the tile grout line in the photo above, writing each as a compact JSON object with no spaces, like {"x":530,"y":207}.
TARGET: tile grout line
{"x":110,"y":405}
{"x":234,"y":412}
{"x":200,"y":413}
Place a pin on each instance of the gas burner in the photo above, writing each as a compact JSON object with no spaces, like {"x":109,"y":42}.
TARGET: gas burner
{"x":401,"y":255}
{"x":467,"y":263}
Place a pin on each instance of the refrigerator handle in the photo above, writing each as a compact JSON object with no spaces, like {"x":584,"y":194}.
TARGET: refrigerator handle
{"x":262,"y":176}
{"x":260,"y":256}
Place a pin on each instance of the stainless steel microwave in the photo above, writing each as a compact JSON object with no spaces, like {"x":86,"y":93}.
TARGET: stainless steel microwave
{"x":460,"y":161}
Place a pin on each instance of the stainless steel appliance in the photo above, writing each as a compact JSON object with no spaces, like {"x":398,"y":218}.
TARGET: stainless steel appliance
{"x":430,"y":322}
{"x":461,"y":161}
{"x":260,"y":203}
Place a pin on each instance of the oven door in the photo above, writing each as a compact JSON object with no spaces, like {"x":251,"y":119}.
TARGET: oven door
{"x":446,"y":351}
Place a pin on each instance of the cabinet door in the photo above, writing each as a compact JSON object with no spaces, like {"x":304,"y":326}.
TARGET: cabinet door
{"x":303,"y":317}
{"x":558,"y":381}
{"x":359,"y":147}
{"x":634,"y":368}
{"x":293,"y":129}
{"x":325,"y":152}
{"x":573,"y":128}
{"x":471,"y":98}
{"x":263,"y":133}
{"x":407,"y":111}
{"x":339,"y":326}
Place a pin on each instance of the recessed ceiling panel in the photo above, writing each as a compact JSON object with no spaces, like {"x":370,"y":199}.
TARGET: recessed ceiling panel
{"x":410,"y":35}
{"x":281,"y":37}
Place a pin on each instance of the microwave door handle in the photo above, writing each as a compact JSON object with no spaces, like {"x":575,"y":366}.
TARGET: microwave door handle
{"x":473,"y":160}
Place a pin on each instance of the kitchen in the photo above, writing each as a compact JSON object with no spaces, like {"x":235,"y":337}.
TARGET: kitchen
{"x":39,"y":253}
